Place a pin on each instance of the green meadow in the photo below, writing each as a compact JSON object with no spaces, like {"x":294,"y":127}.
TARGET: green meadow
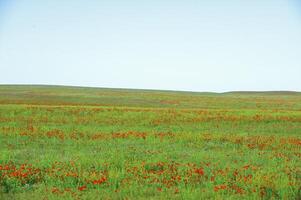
{"x":61,"y":142}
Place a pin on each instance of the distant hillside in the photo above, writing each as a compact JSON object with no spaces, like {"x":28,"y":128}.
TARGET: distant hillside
{"x":264,"y":92}
{"x":88,"y":96}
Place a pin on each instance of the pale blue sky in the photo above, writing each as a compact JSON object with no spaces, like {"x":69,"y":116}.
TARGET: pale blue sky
{"x":191,"y":45}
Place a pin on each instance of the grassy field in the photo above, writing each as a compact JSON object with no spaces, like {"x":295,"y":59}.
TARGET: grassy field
{"x":92,"y":143}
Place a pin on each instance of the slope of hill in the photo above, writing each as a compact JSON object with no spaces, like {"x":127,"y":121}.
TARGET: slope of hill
{"x":66,"y":95}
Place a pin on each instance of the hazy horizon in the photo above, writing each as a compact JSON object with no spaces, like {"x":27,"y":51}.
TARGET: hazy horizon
{"x":162,"y":45}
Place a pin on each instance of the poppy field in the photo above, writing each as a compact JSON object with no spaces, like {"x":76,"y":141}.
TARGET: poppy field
{"x":96,"y":143}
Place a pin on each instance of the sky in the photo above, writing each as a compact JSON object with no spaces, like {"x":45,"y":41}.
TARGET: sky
{"x":192,"y":45}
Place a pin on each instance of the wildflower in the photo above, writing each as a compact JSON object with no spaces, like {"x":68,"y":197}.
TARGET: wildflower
{"x":235,"y":173}
{"x":199,"y":171}
{"x":82,"y":188}
{"x":99,"y":181}
{"x":220,"y":187}
{"x":246,"y":167}
{"x":55,"y":190}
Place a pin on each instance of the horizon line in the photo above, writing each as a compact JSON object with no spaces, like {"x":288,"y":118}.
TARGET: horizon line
{"x":152,"y":89}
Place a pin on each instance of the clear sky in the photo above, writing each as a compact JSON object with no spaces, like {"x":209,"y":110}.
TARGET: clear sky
{"x":195,"y":45}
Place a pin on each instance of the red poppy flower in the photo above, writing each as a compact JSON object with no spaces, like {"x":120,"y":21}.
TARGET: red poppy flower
{"x":100,"y":181}
{"x":82,"y":188}
{"x":199,"y":171}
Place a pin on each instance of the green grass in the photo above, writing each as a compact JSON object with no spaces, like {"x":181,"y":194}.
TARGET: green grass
{"x":57,"y":142}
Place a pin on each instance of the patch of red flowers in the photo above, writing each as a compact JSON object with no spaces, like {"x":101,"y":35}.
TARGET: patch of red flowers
{"x":246,"y":167}
{"x":199,"y":171}
{"x":100,"y":181}
{"x":55,"y":190}
{"x":82,"y":188}
{"x":220,"y":187}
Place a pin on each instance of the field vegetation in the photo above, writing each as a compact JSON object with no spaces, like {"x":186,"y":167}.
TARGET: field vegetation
{"x":95,"y":143}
